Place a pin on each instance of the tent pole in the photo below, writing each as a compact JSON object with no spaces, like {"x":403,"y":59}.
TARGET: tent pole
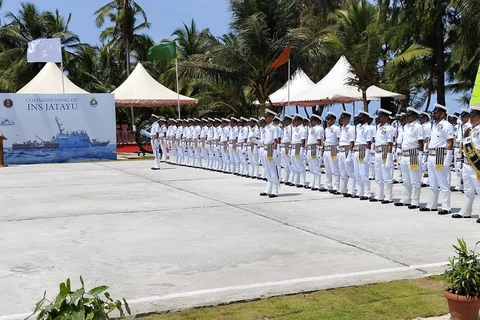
{"x":178,"y":92}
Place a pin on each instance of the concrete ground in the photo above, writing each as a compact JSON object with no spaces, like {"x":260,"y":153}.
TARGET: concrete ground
{"x":182,"y":237}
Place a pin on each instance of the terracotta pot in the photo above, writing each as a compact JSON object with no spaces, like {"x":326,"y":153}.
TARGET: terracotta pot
{"x":461,"y":307}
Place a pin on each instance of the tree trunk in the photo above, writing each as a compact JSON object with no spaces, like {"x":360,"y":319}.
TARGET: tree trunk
{"x":365,"y":103}
{"x":440,"y":61}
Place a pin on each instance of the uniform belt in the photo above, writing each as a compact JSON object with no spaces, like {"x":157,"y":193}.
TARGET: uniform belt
{"x":406,"y":153}
{"x":379,"y":149}
{"x":292,"y":146}
{"x":343,"y":148}
{"x":329,"y":148}
{"x":309,"y":147}
{"x":357,"y":147}
{"x":434,"y":152}
{"x":286,"y":144}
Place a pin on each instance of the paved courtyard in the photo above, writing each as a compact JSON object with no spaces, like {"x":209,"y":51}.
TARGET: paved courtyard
{"x":183,"y":237}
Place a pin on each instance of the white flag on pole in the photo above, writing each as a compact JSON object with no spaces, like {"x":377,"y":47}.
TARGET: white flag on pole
{"x":45,"y":50}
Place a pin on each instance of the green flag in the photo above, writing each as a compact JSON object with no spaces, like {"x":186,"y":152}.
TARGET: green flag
{"x":164,"y":50}
{"x":475,"y":100}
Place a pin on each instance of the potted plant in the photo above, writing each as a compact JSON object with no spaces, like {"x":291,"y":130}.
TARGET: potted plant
{"x":463,"y":283}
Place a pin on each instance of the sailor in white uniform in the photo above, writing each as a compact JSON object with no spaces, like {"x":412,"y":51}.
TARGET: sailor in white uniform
{"x":297,"y":151}
{"x":203,"y":161}
{"x":262,"y":124}
{"x":171,"y":132}
{"x":471,"y":167}
{"x":210,"y":154}
{"x":233,"y":142}
{"x":253,"y":134}
{"x":179,"y":141}
{"x":412,"y":157}
{"x":224,"y":144}
{"x":330,"y":155}
{"x":285,"y":149}
{"x":462,"y":125}
{"x":383,"y":158}
{"x":242,"y":150}
{"x":345,"y":155}
{"x":314,"y":150}
{"x":424,"y":119}
{"x":155,"y":141}
{"x":361,"y":158}
{"x":163,"y":138}
{"x":269,"y":141}
{"x":440,"y":153}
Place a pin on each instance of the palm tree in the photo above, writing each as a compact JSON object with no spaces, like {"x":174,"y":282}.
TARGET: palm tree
{"x":357,"y":36}
{"x":30,"y":24}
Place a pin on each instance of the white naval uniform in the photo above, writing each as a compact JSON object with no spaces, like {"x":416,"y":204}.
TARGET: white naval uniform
{"x":203,"y":147}
{"x":268,"y":137}
{"x":383,"y":170}
{"x":189,"y":144}
{"x":399,"y":152}
{"x":242,"y":150}
{"x":197,"y":151}
{"x":285,"y":152}
{"x":298,"y":160}
{"x":210,"y":147}
{"x":163,"y":142}
{"x":277,"y":157}
{"x":260,"y":159}
{"x":471,"y":183}
{"x":171,"y":132}
{"x":412,"y":177}
{"x":179,"y":137}
{"x":224,"y":147}
{"x":371,"y":167}
{"x":233,"y":149}
{"x":332,"y":135}
{"x":155,"y":144}
{"x":363,"y":136}
{"x":458,"y":158}
{"x":218,"y":148}
{"x":316,"y":134}
{"x":437,"y":177}
{"x":427,"y":133}
{"x":253,"y":134}
{"x":345,"y":160}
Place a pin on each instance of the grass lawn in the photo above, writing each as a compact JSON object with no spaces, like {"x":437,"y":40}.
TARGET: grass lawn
{"x":405,"y":299}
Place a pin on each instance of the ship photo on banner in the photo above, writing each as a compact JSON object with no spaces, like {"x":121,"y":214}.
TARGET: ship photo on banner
{"x":44,"y":128}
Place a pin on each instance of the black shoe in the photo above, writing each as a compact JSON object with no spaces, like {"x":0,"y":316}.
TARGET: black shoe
{"x":363,"y":198}
{"x":314,"y":189}
{"x":331,"y":191}
{"x":273,"y":195}
{"x":386,"y":202}
{"x":459,"y":216}
{"x":306,"y":187}
{"x":281,"y":182}
{"x":264,"y":179}
{"x":335,"y":192}
{"x":299,"y":186}
{"x":444,"y":212}
{"x":373,"y":200}
{"x":259,"y":178}
{"x":425,"y":209}
{"x":399,"y":204}
{"x":253,"y":178}
{"x":424,"y":185}
{"x":323,"y":190}
{"x":263,"y":194}
{"x":395,"y":182}
{"x":289,"y":184}
{"x":478,"y":220}
{"x":153,"y":168}
{"x":356,"y":197}
{"x":347,"y":195}
{"x":412,"y":206}
{"x":453,"y":189}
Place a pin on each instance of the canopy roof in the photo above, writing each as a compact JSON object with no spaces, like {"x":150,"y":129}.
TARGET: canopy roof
{"x":49,"y":80}
{"x":141,"y":90}
{"x":333,"y":88}
{"x":299,"y":82}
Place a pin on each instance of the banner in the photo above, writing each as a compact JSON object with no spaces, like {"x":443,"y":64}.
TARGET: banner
{"x":44,"y":128}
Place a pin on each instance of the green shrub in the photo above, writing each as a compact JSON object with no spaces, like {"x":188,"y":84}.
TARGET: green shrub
{"x":79,"y":304}
{"x":463,"y":273}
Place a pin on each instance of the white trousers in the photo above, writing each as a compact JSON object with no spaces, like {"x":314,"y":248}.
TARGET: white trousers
{"x":438,"y":181}
{"x":347,"y":174}
{"x":298,"y":166}
{"x":314,"y":167}
{"x":412,"y":182}
{"x":332,"y":170}
{"x":243,"y":154}
{"x":287,"y":164}
{"x":470,"y":186}
{"x":361,"y":174}
{"x":270,"y":169}
{"x":156,"y":152}
{"x":253,"y":158}
{"x":383,"y":178}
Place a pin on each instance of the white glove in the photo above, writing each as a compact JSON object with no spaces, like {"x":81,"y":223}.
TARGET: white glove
{"x":448,"y":159}
{"x":350,"y":156}
{"x":389,"y":162}
{"x":144,"y":133}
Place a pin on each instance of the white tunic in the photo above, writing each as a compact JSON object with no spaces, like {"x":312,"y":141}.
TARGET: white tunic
{"x":211,"y":132}
{"x":225,"y":133}
{"x":287,"y":133}
{"x":363,"y":134}
{"x":179,"y":132}
{"x":155,"y":129}
{"x":204,"y":132}
{"x":299,"y":133}
{"x":316,"y":133}
{"x":269,"y":134}
{"x":189,"y":132}
{"x":441,"y":132}
{"x":233,"y":133}
{"x":347,"y":135}
{"x":332,"y":134}
{"x":412,"y":132}
{"x":196,"y":132}
{"x":384,"y":135}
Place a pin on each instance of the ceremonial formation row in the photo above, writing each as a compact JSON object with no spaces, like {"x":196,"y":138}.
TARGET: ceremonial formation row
{"x":419,"y":144}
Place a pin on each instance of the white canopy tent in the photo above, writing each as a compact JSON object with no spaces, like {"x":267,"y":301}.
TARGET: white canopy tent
{"x":49,"y":81}
{"x":141,"y":90}
{"x":299,"y":82}
{"x":333,"y":88}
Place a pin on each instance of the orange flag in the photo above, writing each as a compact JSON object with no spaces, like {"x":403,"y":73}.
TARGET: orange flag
{"x":284,"y":57}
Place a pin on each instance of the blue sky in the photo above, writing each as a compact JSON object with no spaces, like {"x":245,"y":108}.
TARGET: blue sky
{"x":165,"y":16}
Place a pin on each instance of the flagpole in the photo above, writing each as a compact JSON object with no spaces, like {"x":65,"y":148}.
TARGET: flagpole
{"x":178,"y":92}
{"x":63,"y":81}
{"x":288,"y":85}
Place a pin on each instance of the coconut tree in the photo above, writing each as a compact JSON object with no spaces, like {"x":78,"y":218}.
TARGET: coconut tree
{"x":357,"y":36}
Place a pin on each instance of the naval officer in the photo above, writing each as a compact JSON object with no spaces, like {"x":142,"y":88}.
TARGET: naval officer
{"x":154,"y":140}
